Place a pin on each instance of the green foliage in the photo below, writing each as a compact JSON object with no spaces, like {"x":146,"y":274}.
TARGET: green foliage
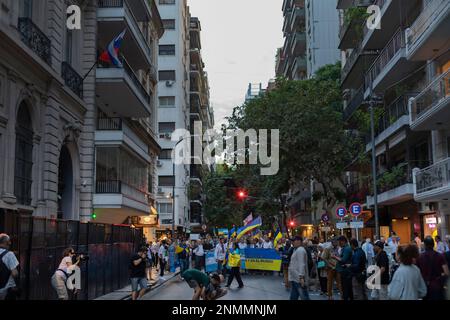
{"x":355,"y":14}
{"x":391,"y":178}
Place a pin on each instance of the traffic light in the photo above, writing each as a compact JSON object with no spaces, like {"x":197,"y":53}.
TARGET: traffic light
{"x":94,"y":216}
{"x":292,"y":223}
{"x":242,"y":194}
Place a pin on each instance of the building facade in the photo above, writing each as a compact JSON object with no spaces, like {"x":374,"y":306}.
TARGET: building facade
{"x":398,"y":69}
{"x":69,"y":125}
{"x":173,"y":113}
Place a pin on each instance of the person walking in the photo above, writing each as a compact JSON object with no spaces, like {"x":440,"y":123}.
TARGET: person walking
{"x":162,"y":257}
{"x":234,"y":261}
{"x":321,"y":269}
{"x":344,"y":261}
{"x":434,"y":270}
{"x":267,"y":243}
{"x":367,"y":247}
{"x":441,"y":246}
{"x":332,"y":275}
{"x":286,"y":254}
{"x":199,"y":254}
{"x":298,"y":271}
{"x":418,"y":241}
{"x":183,"y":258}
{"x":155,"y":256}
{"x":358,"y":270}
{"x":149,"y":262}
{"x":219,"y":255}
{"x":8,"y":270}
{"x":138,"y":277}
{"x":382,"y":262}
{"x":407,"y":282}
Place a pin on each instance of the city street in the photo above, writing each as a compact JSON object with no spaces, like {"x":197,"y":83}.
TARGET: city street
{"x":256,"y":287}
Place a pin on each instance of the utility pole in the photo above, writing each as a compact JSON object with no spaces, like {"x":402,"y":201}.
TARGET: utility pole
{"x":374,"y":168}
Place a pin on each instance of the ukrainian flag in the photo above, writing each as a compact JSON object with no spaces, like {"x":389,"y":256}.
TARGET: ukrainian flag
{"x":277,"y":238}
{"x":256,"y":223}
{"x":232,"y":233}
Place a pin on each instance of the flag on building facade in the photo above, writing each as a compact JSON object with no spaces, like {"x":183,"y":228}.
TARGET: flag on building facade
{"x":111,"y":54}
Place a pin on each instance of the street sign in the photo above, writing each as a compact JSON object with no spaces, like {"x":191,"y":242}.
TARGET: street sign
{"x":325,"y":217}
{"x":355,"y":209}
{"x":341,"y":212}
{"x":342,"y":225}
{"x":325,"y":229}
{"x":357,"y":224}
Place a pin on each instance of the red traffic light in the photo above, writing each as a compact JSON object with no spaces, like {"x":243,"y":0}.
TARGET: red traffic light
{"x":242,"y":194}
{"x":292,"y":223}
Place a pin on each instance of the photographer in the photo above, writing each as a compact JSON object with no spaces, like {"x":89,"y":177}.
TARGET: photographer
{"x":138,"y":276}
{"x":60,"y":277}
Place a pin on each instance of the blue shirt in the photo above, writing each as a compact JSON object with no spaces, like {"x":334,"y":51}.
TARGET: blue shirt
{"x":346,"y":258}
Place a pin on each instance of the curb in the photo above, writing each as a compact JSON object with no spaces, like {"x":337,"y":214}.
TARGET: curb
{"x":155,"y":286}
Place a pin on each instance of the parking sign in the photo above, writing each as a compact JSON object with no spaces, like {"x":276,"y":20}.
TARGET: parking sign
{"x":355,"y":209}
{"x":341,"y":212}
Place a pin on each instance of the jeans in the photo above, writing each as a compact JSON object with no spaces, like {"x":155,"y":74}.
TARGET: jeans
{"x":298,"y":291}
{"x":220,"y":268}
{"x":162,"y":266}
{"x":347,"y":287}
{"x":359,"y":288}
{"x":184,"y":264}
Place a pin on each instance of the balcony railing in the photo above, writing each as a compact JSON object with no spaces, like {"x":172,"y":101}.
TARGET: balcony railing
{"x":350,"y":62}
{"x":109,"y":124}
{"x":35,"y":39}
{"x":124,"y":5}
{"x":354,"y":103}
{"x":108,"y":186}
{"x":433,"y":177}
{"x":424,"y":20}
{"x":72,"y":79}
{"x":387,"y":54}
{"x":438,"y":89}
{"x":393,"y":112}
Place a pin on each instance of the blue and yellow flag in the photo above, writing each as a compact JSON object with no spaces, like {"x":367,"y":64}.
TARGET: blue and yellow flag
{"x":277,"y":238}
{"x":232,"y":233}
{"x":256,"y":223}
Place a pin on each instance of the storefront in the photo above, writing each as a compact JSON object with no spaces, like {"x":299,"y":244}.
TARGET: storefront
{"x":148,"y":224}
{"x":430,"y":225}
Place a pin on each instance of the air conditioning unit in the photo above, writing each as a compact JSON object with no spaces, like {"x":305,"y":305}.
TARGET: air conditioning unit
{"x":160,"y":191}
{"x":159,"y":163}
{"x":169,"y":83}
{"x":168,"y":136}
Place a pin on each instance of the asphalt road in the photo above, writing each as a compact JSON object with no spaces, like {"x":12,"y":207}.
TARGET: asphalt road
{"x":256,"y":287}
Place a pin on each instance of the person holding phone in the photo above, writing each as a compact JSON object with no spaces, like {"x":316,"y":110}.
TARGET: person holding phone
{"x":138,"y":276}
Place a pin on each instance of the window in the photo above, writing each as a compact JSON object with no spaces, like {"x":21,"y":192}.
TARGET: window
{"x":167,"y":75}
{"x":166,"y":1}
{"x":167,"y":102}
{"x":165,"y":208}
{"x":169,"y":24}
{"x":166,"y":154}
{"x":166,"y":127}
{"x":26,"y":8}
{"x":150,"y":183}
{"x":167,"y":50}
{"x":166,"y":181}
{"x":24,"y":156}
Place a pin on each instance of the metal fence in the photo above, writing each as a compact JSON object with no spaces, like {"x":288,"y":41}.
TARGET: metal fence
{"x":39,"y":242}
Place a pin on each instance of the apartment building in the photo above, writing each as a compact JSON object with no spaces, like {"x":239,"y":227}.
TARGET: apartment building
{"x":201,"y":119}
{"x":311,"y":40}
{"x":173,"y":113}
{"x":397,"y":68}
{"x":254,"y":90}
{"x":71,"y":127}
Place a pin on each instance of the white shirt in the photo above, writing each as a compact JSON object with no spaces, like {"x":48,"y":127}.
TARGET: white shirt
{"x":242,"y":245}
{"x":368,"y":250}
{"x":407,"y":284}
{"x":219,"y":253}
{"x":298,"y":267}
{"x":267,"y":245}
{"x":162,"y":252}
{"x":11,"y":263}
{"x":63,"y":266}
{"x":199,"y":251}
{"x":441,"y":247}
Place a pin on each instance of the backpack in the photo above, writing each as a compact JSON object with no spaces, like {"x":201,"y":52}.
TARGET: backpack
{"x":5,"y":273}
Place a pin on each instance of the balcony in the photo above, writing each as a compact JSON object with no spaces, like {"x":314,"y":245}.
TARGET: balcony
{"x":351,"y":33}
{"x":389,"y":67}
{"x":355,"y":101}
{"x":35,"y":39}
{"x":297,"y":18}
{"x":114,"y":132}
{"x":298,"y":43}
{"x":433,"y":183}
{"x":122,"y":92}
{"x":395,"y":118}
{"x":352,"y":74}
{"x":394,"y":186}
{"x":390,"y":20}
{"x":72,"y":79}
{"x":428,"y":35}
{"x":113,"y":17}
{"x":430,"y":109}
{"x":114,"y":197}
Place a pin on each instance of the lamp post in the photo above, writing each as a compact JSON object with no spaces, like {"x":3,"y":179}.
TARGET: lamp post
{"x":374,"y":167}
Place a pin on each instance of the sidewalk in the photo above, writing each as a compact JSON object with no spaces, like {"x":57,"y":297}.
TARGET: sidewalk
{"x":125,"y":293}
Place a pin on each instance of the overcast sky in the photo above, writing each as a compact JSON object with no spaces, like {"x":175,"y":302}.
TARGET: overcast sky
{"x":239,"y":42}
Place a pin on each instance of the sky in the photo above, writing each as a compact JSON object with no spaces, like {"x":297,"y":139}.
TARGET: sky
{"x":239,"y":43}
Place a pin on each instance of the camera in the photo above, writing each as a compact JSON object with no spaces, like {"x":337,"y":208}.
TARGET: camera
{"x":80,"y":256}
